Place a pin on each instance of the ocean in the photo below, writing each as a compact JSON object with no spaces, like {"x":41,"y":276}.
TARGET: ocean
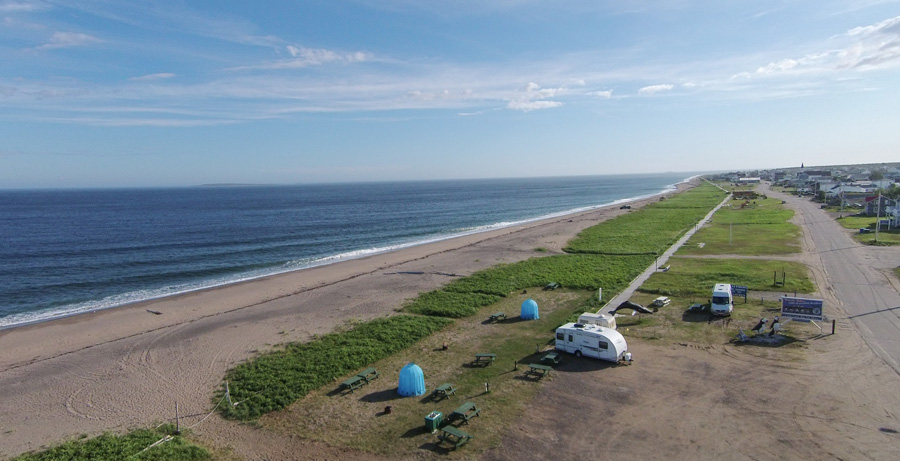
{"x":64,"y":252}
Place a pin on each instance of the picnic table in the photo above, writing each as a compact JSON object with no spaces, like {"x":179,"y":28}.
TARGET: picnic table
{"x":498,"y":316}
{"x":538,"y":369}
{"x":368,"y":374}
{"x":445,"y":390}
{"x":359,"y":380}
{"x":465,"y":412}
{"x":486,"y":358}
{"x":550,"y":358}
{"x":450,"y":432}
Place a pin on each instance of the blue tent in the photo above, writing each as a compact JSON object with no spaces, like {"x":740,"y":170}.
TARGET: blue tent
{"x":529,"y":310}
{"x":412,"y":381}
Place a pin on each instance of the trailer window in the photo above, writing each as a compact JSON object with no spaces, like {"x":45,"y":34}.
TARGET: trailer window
{"x":561,"y":336}
{"x":604,"y":345}
{"x":570,"y":338}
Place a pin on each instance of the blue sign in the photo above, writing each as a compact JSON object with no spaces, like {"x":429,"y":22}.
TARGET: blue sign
{"x":738,"y":290}
{"x":801,"y":309}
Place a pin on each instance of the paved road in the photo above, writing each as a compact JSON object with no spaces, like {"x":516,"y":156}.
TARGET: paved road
{"x":857,"y":275}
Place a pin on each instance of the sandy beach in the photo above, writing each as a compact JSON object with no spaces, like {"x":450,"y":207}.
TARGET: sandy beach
{"x":126,"y":367}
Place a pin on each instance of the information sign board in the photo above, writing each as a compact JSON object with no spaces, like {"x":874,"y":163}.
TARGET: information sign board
{"x":801,"y":309}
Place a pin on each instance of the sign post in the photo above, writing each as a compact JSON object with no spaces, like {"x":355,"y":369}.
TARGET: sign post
{"x":802,"y":310}
{"x":738,"y":290}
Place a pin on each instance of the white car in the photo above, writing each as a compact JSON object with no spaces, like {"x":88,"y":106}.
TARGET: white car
{"x":661,"y":301}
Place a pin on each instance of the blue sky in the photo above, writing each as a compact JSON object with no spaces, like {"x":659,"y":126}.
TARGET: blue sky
{"x":172,"y":93}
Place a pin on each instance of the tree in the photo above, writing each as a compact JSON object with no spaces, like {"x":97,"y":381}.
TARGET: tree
{"x":876,"y":176}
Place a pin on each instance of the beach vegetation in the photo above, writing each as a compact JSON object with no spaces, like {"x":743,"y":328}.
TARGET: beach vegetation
{"x":754,"y":227}
{"x":652,"y":230}
{"x":123,"y":446}
{"x":276,"y":379}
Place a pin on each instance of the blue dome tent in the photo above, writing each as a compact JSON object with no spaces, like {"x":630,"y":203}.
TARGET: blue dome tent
{"x":412,"y":381}
{"x":529,"y":310}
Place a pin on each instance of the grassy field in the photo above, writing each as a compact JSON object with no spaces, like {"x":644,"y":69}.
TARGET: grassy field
{"x":126,"y":446}
{"x":757,"y":227}
{"x":324,"y":414}
{"x":695,"y":277}
{"x":885,"y":236}
{"x":650,"y":230}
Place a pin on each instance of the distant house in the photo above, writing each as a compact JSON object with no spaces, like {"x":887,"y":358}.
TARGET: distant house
{"x":748,"y":180}
{"x":886,"y":207}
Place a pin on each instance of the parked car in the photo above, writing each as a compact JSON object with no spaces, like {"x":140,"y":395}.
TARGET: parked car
{"x":625,"y":207}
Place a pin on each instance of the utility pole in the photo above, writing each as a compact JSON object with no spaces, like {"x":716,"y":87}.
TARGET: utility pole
{"x":878,"y":217}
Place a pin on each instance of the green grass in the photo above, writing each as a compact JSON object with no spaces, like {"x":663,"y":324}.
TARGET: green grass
{"x":274,"y":380}
{"x":692,"y":277}
{"x":127,"y":446}
{"x":650,"y":230}
{"x":759,"y":228}
{"x":885,"y":236}
{"x":463,"y":297}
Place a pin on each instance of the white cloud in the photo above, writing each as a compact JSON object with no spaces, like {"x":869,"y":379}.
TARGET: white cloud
{"x":534,"y":98}
{"x":68,"y":40}
{"x":159,"y":76}
{"x":878,"y":45}
{"x":653,"y":89}
{"x":528,"y":106}
{"x":21,"y":7}
{"x":305,"y":57}
{"x":605,"y":94}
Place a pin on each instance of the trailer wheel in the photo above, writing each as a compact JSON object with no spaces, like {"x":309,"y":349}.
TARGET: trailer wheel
{"x":578,"y":353}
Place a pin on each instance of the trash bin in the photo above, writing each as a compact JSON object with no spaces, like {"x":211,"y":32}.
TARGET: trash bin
{"x":433,"y":421}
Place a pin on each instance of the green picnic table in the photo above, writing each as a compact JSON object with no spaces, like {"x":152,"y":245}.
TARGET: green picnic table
{"x":360,"y":379}
{"x":465,"y":412}
{"x":368,"y":374}
{"x":445,"y":390}
{"x":450,"y":432}
{"x":485,"y":358}
{"x":538,"y":369}
{"x":550,"y":358}
{"x":496,"y":316}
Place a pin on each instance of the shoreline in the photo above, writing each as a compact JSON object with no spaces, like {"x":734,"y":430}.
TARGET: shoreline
{"x":119,"y":368}
{"x":65,"y":312}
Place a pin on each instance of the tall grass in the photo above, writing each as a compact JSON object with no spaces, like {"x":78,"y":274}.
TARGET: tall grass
{"x":274,"y":380}
{"x":127,"y":446}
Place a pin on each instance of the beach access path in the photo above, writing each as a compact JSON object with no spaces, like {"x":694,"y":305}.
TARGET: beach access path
{"x":124,"y":368}
{"x":661,"y":260}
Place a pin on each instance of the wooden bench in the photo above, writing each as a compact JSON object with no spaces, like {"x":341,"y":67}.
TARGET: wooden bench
{"x":465,"y":412}
{"x":445,"y":390}
{"x":538,"y":369}
{"x":498,"y":316}
{"x":550,"y":358}
{"x":487,"y":359}
{"x":368,"y":374}
{"x":450,"y":432}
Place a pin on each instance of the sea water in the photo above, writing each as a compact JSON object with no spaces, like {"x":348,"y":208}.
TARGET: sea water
{"x":64,"y":252}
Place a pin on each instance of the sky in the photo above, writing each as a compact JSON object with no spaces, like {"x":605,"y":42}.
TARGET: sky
{"x":115,"y":93}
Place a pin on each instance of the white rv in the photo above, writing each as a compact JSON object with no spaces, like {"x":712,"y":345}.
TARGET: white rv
{"x":603,"y":320}
{"x":722,"y":302}
{"x":591,"y":341}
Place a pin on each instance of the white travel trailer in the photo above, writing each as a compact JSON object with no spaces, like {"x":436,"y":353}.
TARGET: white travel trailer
{"x":722,"y":302}
{"x":603,"y":320}
{"x":591,"y":341}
